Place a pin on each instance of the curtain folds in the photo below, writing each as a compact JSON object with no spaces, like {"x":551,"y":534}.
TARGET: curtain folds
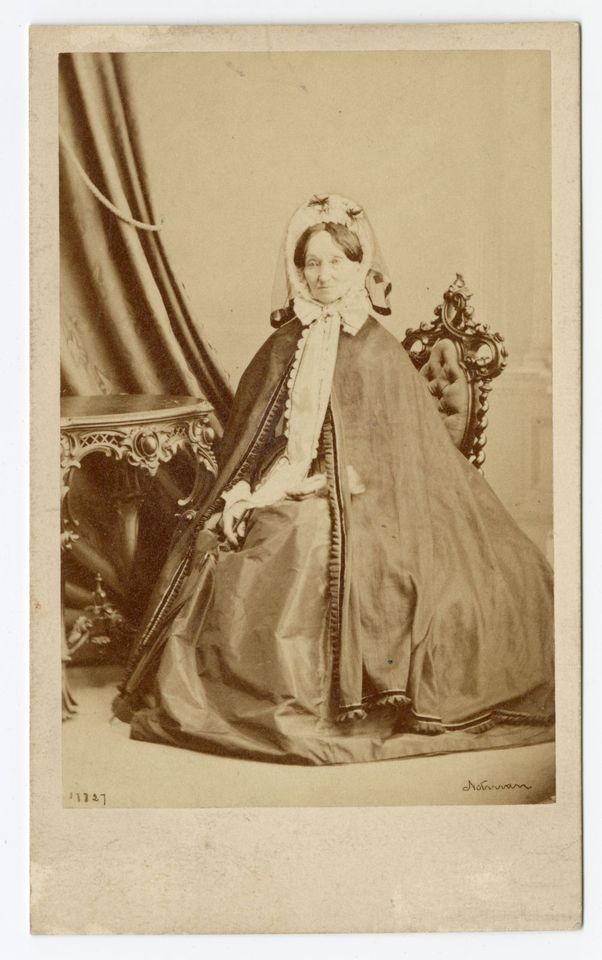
{"x":125,"y":325}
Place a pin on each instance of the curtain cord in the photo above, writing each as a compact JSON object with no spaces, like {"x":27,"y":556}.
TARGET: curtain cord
{"x":99,"y":196}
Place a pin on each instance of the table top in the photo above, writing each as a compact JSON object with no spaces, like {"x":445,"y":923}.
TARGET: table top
{"x":129,"y":408}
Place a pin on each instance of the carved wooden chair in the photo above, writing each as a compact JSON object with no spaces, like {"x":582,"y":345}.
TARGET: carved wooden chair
{"x":459,"y":359}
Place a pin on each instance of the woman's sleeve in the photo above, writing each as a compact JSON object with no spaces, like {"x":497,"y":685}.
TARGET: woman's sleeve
{"x":240,"y":491}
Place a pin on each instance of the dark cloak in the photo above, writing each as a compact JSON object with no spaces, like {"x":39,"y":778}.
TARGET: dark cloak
{"x":439,"y":604}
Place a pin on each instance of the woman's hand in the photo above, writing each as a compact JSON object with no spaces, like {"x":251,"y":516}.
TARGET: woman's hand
{"x":213,"y":521}
{"x":233,"y":522}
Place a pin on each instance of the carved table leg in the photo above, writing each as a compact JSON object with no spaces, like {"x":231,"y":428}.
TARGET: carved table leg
{"x":127,"y":501}
{"x":141,"y":440}
{"x":69,"y":703}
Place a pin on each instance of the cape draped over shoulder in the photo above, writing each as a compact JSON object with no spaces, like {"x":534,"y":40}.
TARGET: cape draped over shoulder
{"x":438,"y":609}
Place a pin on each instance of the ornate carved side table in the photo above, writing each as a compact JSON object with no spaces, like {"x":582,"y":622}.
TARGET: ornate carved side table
{"x":142,"y":432}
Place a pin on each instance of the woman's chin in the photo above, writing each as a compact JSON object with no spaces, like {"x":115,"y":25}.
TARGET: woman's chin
{"x":323,"y":296}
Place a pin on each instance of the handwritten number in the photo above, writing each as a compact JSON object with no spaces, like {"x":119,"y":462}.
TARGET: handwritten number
{"x":89,"y":798}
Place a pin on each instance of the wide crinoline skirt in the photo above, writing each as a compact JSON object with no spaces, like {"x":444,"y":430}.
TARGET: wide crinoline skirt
{"x":247,"y":668}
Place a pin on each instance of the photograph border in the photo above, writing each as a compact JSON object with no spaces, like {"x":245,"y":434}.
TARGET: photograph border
{"x":65,"y":843}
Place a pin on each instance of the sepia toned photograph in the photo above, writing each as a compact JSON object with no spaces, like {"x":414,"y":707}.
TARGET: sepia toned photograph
{"x":306,"y":422}
{"x":305,"y":499}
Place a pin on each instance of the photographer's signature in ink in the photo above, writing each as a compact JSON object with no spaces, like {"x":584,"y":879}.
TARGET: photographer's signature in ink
{"x":485,"y":785}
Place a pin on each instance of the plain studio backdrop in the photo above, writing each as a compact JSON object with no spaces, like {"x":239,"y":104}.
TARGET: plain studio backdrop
{"x":449,"y":154}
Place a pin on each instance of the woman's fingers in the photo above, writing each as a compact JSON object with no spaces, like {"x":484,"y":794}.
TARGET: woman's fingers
{"x":213,"y":521}
{"x":234,"y":525}
{"x":228,"y":528}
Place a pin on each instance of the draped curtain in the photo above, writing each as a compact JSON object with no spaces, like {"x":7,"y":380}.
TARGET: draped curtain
{"x":126,"y":327}
{"x":125,"y":324}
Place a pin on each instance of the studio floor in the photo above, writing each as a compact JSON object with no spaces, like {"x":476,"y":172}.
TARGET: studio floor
{"x":99,"y":759}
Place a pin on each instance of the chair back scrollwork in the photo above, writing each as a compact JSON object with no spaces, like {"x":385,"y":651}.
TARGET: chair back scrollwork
{"x":459,"y":358}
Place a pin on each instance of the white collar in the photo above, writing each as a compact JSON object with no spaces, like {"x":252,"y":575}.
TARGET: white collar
{"x":352,"y":311}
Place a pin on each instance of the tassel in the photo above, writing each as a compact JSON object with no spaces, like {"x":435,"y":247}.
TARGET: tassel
{"x":388,"y":700}
{"x":351,"y":713}
{"x":361,"y":711}
{"x":503,"y":716}
{"x":355,"y":482}
{"x":482,"y":727}
{"x":430,"y":727}
{"x":121,"y":709}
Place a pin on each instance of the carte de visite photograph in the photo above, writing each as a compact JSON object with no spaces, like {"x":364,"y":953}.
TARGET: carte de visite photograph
{"x":306,"y":424}
{"x":305,"y":466}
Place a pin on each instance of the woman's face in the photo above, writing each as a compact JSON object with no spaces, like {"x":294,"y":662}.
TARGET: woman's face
{"x":328,"y":271}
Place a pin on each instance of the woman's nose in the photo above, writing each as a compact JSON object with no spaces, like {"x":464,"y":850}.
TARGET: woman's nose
{"x":325,"y":272}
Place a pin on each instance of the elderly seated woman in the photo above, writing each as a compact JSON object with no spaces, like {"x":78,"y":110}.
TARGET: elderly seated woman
{"x":350,"y":589}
